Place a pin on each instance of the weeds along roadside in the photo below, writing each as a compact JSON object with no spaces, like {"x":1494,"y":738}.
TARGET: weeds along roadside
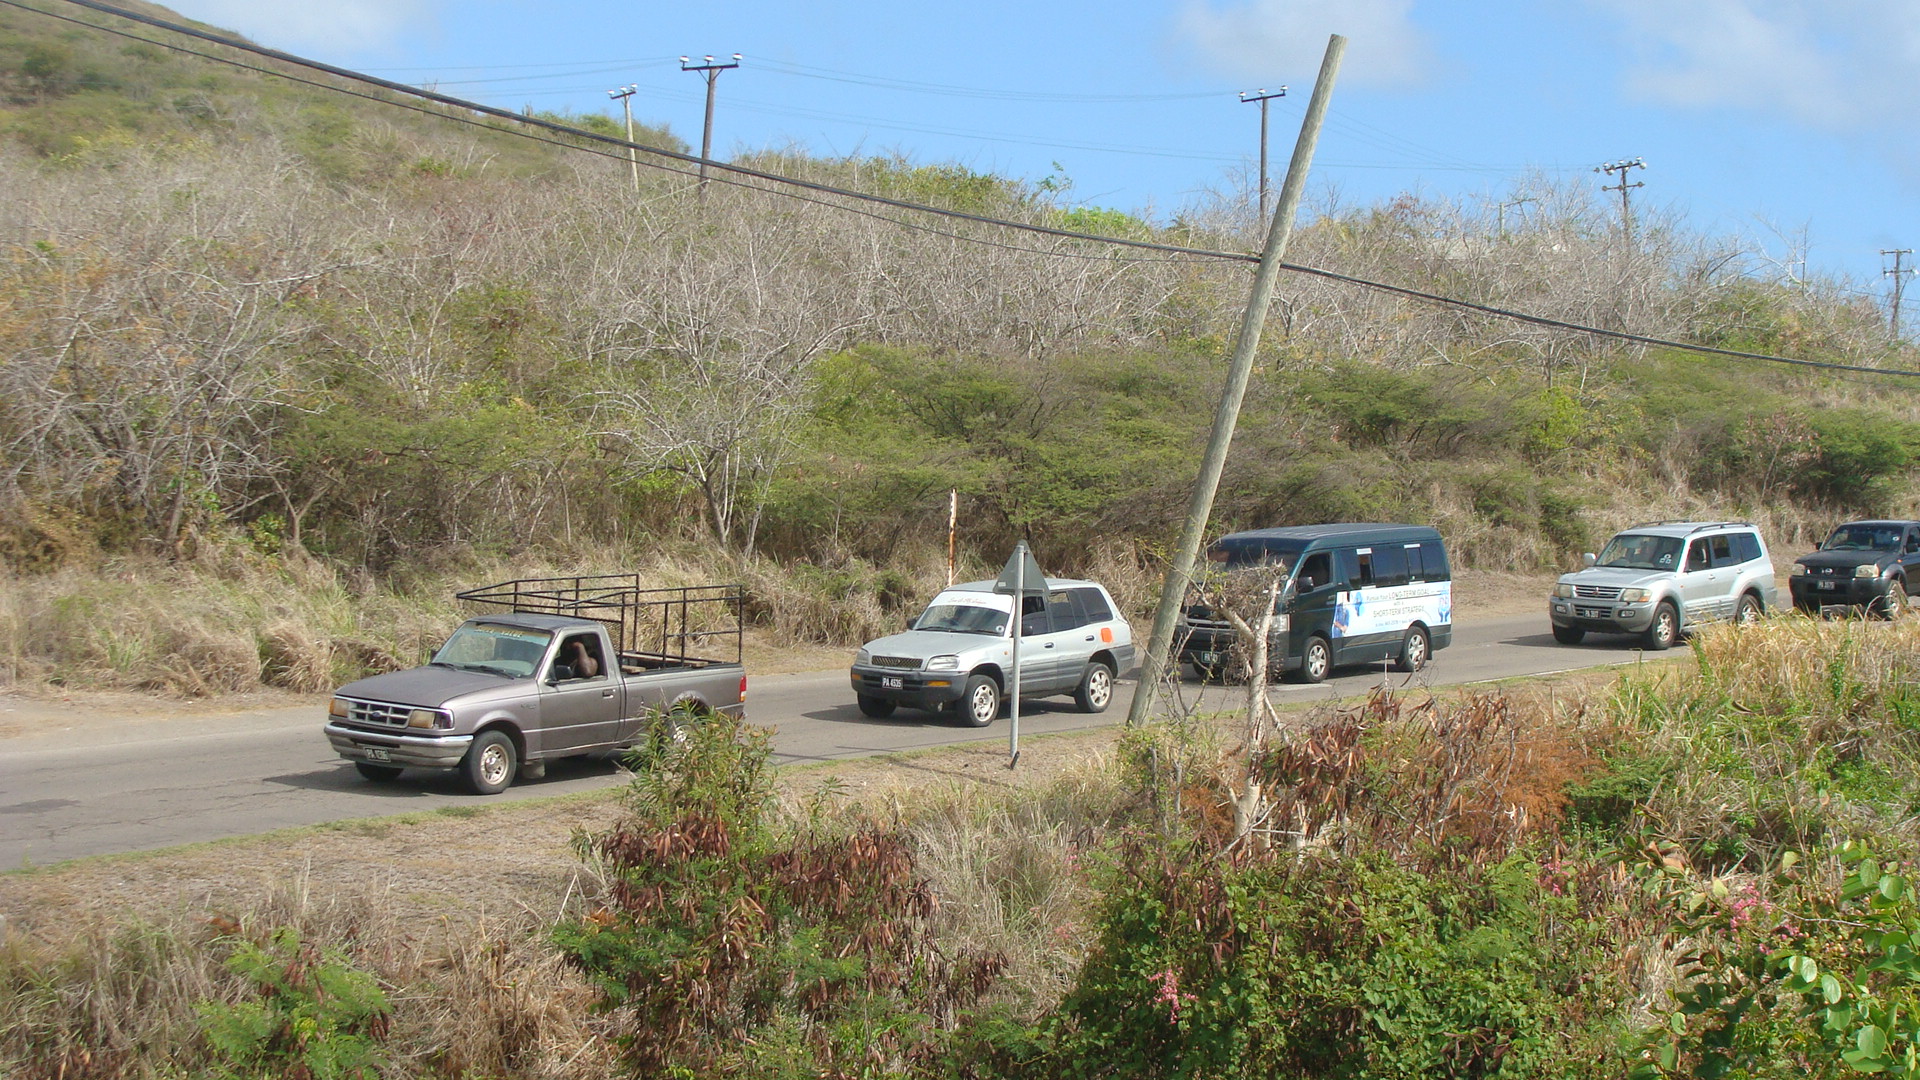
{"x":1533,"y":850}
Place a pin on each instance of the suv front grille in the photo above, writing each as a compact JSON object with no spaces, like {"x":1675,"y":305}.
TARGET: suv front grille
{"x":1597,"y":592}
{"x":909,"y":662}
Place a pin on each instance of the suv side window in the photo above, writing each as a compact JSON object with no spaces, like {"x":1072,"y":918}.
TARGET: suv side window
{"x":1064,"y":604}
{"x":1746,"y":546}
{"x":1033,"y":616}
{"x":1699,"y":556}
{"x":1093,"y":606}
{"x":1722,"y":546}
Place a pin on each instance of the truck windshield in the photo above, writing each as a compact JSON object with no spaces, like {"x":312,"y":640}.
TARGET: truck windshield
{"x":1637,"y":551}
{"x":1862,"y":538}
{"x":963,"y":619}
{"x":513,"y":651}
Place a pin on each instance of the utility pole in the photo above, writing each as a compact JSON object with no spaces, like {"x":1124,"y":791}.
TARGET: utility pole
{"x":624,"y":96}
{"x":1899,"y":277}
{"x":1227,"y":415}
{"x":1262,"y":96}
{"x":711,"y":70}
{"x":1626,"y":208}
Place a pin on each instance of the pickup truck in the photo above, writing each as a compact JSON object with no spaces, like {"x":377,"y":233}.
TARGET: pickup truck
{"x":562,"y":667}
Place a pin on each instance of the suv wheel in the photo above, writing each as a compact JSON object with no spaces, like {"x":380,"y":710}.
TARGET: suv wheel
{"x":1665,"y":628}
{"x":1316,"y":659}
{"x":981,"y":703}
{"x":1096,"y":688}
{"x":876,"y":707}
{"x":1569,"y":635}
{"x":1416,"y":650}
{"x":1747,"y":610}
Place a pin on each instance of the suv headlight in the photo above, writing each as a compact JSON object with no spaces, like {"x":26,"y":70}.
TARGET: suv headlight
{"x":1799,"y":570}
{"x":1633,"y":596}
{"x":863,"y":657}
{"x":944,"y":663}
{"x":1563,"y":590}
{"x":1866,"y":570}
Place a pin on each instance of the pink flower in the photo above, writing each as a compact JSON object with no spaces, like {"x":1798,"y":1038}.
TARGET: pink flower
{"x":1170,"y":993}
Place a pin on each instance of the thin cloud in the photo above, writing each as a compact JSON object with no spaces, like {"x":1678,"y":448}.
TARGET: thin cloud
{"x":1283,"y":40}
{"x":1830,"y":64}
{"x":334,"y":26}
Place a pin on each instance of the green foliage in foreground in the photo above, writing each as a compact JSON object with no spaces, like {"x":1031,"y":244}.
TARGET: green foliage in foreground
{"x":313,"y":1015}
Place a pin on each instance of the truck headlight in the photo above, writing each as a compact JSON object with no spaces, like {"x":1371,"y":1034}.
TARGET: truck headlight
{"x":1799,"y":570}
{"x":1866,"y":570}
{"x":1563,"y":590}
{"x":944,"y":663}
{"x":1633,"y":596}
{"x":340,"y":707}
{"x":428,"y":718}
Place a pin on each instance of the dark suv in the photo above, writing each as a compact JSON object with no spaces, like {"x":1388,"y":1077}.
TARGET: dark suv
{"x":1869,"y":565}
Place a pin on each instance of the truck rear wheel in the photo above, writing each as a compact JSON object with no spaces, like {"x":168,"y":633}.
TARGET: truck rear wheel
{"x":490,"y":763}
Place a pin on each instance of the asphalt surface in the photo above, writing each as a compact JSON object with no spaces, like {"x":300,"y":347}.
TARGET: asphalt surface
{"x":105,"y":788}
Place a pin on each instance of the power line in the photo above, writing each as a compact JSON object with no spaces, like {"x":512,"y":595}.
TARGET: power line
{"x":574,"y":136}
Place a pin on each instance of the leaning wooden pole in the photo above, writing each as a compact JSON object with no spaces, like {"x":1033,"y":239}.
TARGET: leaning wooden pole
{"x":1180,"y":571}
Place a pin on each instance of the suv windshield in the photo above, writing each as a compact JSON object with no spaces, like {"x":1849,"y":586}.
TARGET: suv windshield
{"x":1638,"y":551}
{"x":963,"y":619}
{"x":1862,"y":538}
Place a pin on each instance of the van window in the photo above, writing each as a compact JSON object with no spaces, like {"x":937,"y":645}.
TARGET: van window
{"x":1389,"y":565}
{"x":1362,"y":569}
{"x":1346,"y":568}
{"x":1315,"y":572}
{"x":1433,"y":561}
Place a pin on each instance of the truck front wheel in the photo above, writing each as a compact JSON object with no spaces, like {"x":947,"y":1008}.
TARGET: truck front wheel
{"x":380,"y":773}
{"x":490,"y":763}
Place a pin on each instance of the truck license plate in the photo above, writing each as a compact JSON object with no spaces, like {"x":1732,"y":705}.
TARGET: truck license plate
{"x":378,"y":753}
{"x":891,"y":682}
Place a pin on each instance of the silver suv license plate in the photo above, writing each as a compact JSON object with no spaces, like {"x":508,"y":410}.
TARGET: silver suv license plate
{"x":891,"y":682}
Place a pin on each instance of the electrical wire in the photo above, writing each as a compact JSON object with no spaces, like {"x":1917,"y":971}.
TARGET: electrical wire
{"x":575,"y":135}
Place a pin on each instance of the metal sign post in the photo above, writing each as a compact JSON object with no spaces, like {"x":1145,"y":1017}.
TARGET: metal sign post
{"x":1020,"y":578}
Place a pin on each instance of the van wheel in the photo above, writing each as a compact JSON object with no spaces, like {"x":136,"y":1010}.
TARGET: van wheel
{"x":379,"y":773}
{"x":981,"y":703}
{"x":1096,"y":688}
{"x":1316,"y":659}
{"x":490,"y":763}
{"x":1569,"y":635}
{"x":878,"y":708}
{"x":1416,"y":651}
{"x":1665,"y":628}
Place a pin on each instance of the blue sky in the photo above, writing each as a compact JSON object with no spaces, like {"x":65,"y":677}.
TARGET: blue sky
{"x":1772,"y":119}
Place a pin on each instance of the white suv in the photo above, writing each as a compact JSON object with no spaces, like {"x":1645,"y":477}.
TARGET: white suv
{"x":1662,"y":579}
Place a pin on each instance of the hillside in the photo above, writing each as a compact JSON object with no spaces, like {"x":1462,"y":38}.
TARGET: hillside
{"x":262,"y":331}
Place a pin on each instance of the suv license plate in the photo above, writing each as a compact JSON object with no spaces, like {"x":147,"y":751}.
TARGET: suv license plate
{"x":1592,"y":612}
{"x":892,"y":682}
{"x":378,"y":753}
{"x":1828,"y":585}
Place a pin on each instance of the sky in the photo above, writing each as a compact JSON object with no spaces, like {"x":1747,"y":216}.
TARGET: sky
{"x":1792,"y":123}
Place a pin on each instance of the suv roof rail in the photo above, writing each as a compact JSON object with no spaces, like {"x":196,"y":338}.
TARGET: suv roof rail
{"x":1696,"y":526}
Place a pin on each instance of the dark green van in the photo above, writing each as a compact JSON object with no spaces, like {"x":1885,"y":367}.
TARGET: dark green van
{"x":1351,"y":594}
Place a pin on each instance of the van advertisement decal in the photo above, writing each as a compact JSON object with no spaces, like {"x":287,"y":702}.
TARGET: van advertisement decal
{"x":1391,"y":610}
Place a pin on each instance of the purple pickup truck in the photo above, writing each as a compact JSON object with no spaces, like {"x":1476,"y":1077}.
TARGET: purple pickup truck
{"x":559,"y":667}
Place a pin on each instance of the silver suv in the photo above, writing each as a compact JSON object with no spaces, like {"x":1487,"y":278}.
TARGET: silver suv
{"x":957,"y":658}
{"x":1662,"y":579}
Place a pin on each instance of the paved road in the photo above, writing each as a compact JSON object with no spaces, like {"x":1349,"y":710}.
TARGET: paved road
{"x":160,"y":783}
